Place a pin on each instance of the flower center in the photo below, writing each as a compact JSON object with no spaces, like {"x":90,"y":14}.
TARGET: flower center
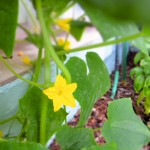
{"x":59,"y":92}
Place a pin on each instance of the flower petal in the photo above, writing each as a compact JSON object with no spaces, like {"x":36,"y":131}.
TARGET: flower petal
{"x":57,"y":103}
{"x":50,"y":92}
{"x":68,"y":101}
{"x":70,"y":88}
{"x":60,"y":83}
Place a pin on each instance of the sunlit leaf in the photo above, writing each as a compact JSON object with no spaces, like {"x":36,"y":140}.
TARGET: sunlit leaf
{"x":75,"y":138}
{"x":124,"y":127}
{"x":15,"y":145}
{"x":91,"y":85}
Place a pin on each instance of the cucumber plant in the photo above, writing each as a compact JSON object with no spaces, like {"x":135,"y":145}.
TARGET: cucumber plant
{"x":141,"y":77}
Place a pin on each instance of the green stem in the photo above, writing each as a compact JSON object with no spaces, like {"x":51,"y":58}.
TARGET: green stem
{"x":30,"y":13}
{"x":38,"y":66}
{"x":9,"y":119}
{"x":19,"y":76}
{"x":48,"y":44}
{"x":43,"y":120}
{"x":24,"y":127}
{"x":101,"y":44}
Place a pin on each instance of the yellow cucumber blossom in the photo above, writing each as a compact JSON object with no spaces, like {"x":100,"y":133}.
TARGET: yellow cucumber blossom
{"x":61,"y":93}
{"x":26,"y":60}
{"x":64,"y":24}
{"x":65,"y":44}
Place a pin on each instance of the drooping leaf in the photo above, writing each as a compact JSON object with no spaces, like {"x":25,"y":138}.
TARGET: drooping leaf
{"x":124,"y":127}
{"x":109,"y":146}
{"x":77,"y":28}
{"x":15,"y":145}
{"x":8,"y":24}
{"x":92,"y":85}
{"x":30,"y":108}
{"x":107,"y":26}
{"x":130,"y":10}
{"x":75,"y":138}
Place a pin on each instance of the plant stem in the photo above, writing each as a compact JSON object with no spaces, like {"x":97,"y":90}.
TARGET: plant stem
{"x":19,"y":76}
{"x":48,"y":44}
{"x":9,"y":119}
{"x":101,"y":44}
{"x":38,"y":66}
{"x":44,"y":101}
{"x":30,"y":13}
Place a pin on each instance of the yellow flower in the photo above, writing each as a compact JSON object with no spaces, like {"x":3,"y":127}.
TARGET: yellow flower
{"x":61,"y":93}
{"x":64,"y":24}
{"x":26,"y":60}
{"x":1,"y":133}
{"x":64,"y":44}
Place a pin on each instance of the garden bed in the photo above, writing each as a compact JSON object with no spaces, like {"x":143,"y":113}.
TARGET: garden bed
{"x":99,"y":112}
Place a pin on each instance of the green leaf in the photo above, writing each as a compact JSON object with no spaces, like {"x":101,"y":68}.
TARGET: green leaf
{"x":30,"y":108}
{"x":124,"y":127}
{"x":147,"y":81}
{"x":135,"y":10}
{"x":77,"y":28}
{"x":145,"y":62}
{"x":138,"y":57}
{"x":75,"y":138}
{"x":146,"y":91}
{"x":140,"y":97}
{"x":136,"y":71}
{"x":14,"y":145}
{"x":8,"y":24}
{"x":140,"y":44}
{"x":147,"y":103}
{"x":139,"y":82}
{"x":108,"y":27}
{"x":109,"y":146}
{"x":92,"y":85}
{"x":146,"y":70}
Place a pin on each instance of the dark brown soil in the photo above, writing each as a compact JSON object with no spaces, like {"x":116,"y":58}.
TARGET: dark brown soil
{"x":99,"y":112}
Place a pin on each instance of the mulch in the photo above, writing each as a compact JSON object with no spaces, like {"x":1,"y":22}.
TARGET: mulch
{"x":99,"y":112}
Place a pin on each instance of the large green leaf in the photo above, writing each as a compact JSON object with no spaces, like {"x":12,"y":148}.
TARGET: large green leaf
{"x":91,"y":85}
{"x":75,"y":138}
{"x":108,"y":27}
{"x":30,"y":108}
{"x":14,"y":145}
{"x":124,"y":127}
{"x":8,"y":24}
{"x":135,"y":10}
{"x":109,"y":146}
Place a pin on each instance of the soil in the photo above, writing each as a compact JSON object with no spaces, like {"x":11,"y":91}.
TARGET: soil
{"x":99,"y":112}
